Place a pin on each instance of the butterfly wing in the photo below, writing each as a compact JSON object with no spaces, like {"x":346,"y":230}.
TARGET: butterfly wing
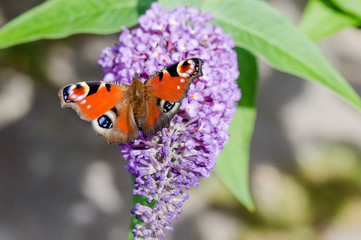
{"x":106,"y":105}
{"x":166,"y":89}
{"x":172,"y":83}
{"x":157,"y":114}
{"x":117,"y":124}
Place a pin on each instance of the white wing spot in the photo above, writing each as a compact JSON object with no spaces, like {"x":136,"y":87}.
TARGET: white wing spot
{"x":88,"y":106}
{"x":182,"y":80}
{"x":79,"y":98}
{"x":183,"y":74}
{"x":178,"y":87}
{"x":82,"y":102}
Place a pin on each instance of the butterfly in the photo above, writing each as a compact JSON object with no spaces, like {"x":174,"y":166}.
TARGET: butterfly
{"x":118,"y":111}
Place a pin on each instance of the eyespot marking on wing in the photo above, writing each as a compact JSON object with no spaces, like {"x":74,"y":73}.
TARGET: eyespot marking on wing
{"x":165,"y":105}
{"x":105,"y":122}
{"x":188,"y":67}
{"x":168,"y":106}
{"x":75,"y":92}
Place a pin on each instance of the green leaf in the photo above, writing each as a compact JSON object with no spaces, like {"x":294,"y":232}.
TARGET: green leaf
{"x":256,"y":26}
{"x":352,"y":7}
{"x":232,"y":164}
{"x":248,"y":77}
{"x":320,"y":20}
{"x":61,"y":18}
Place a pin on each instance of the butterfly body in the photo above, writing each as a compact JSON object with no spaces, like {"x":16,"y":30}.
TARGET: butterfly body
{"x":118,"y":111}
{"x":137,"y":97}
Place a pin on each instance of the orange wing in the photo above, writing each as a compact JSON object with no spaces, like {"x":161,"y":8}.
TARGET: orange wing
{"x":165,"y":89}
{"x":117,"y":124}
{"x":172,"y":83}
{"x":91,"y":99}
{"x":106,"y":105}
{"x":157,"y":114}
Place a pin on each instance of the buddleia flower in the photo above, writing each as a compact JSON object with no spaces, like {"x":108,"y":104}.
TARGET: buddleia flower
{"x":167,"y":164}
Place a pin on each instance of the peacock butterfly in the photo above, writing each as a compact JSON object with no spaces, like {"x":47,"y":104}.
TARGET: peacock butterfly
{"x":118,"y":111}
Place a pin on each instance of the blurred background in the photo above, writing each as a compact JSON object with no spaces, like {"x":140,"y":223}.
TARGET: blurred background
{"x":60,"y":181}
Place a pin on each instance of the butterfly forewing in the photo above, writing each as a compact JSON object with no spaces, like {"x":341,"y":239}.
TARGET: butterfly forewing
{"x":172,"y":83}
{"x":106,"y":105}
{"x":91,"y":99}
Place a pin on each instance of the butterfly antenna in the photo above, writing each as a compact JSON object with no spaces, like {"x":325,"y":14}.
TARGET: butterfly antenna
{"x":152,"y":51}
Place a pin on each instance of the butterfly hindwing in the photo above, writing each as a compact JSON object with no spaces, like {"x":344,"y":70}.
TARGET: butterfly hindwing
{"x":172,"y":83}
{"x":117,"y":124}
{"x":157,"y":114}
{"x":106,"y":105}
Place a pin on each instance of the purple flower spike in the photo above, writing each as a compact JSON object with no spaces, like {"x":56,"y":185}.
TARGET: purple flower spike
{"x":170,"y":162}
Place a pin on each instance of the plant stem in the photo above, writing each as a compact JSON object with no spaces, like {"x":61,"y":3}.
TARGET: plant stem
{"x":137,"y":199}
